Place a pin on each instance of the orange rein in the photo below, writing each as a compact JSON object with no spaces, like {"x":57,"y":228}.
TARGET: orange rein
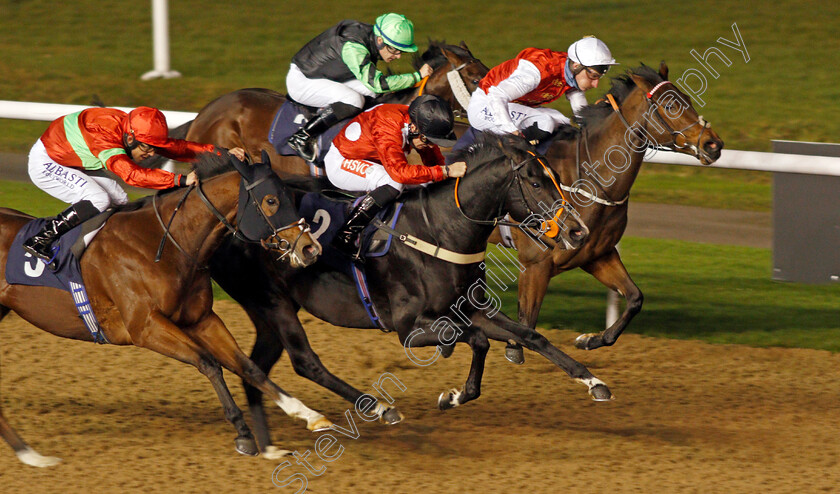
{"x":421,"y":85}
{"x":552,"y":229}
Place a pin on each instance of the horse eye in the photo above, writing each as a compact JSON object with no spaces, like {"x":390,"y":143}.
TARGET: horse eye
{"x":535,"y":185}
{"x":271,"y":201}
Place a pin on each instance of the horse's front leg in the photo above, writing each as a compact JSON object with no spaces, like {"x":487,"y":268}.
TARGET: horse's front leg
{"x":610,"y":271}
{"x":447,"y":335}
{"x":502,"y":328}
{"x":212,"y":335}
{"x":164,"y":337}
{"x":533,"y":284}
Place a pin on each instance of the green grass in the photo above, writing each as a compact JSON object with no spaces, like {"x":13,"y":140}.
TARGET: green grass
{"x":714,"y":293}
{"x":71,"y":52}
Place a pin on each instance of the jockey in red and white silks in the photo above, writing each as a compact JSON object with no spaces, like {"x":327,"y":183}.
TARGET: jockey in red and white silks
{"x":371,"y":151}
{"x":509,"y":98}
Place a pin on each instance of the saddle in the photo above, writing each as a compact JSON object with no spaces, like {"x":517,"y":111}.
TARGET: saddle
{"x":289,"y":119}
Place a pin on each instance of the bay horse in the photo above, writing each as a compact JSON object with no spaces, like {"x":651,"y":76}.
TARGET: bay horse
{"x":607,"y":153}
{"x":166,"y":306}
{"x":243,"y":117}
{"x":410,"y":289}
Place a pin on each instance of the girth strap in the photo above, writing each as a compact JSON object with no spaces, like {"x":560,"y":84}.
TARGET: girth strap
{"x":429,"y":249}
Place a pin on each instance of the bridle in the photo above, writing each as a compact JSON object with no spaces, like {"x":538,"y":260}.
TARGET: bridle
{"x":271,"y":242}
{"x":549,"y":228}
{"x":695,"y":149}
{"x":456,"y":83}
{"x":653,"y":107}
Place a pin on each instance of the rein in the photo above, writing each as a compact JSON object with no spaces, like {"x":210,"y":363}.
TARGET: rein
{"x":550,"y":228}
{"x":282,"y":245}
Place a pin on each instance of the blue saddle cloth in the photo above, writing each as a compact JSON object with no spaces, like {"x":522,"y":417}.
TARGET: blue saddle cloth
{"x":325,"y":217}
{"x":289,"y":119}
{"x":24,"y":269}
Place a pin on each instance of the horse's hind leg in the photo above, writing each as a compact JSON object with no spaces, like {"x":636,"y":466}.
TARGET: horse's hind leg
{"x":610,"y":271}
{"x":23,"y":451}
{"x":212,"y":335}
{"x":165,"y":338}
{"x":280,"y":329}
{"x":475,"y":339}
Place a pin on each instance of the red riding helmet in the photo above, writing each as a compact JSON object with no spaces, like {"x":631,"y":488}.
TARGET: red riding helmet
{"x":148,"y":125}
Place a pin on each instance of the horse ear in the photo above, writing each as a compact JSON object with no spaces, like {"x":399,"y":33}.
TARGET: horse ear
{"x":641,"y":82}
{"x":264,"y":159}
{"x":463,"y":45}
{"x":663,"y":70}
{"x":452,"y":57}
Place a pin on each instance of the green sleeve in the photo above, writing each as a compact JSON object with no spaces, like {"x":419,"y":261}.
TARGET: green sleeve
{"x":354,"y":55}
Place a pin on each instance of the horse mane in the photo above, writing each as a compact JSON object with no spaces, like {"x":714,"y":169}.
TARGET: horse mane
{"x":621,"y":87}
{"x":207,"y":165}
{"x":434,"y":55}
{"x":490,"y":147}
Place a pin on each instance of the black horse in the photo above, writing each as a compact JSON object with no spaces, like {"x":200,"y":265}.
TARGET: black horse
{"x":413,"y":291}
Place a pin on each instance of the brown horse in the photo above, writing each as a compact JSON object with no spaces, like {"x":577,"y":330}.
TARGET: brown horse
{"x":601,"y":162}
{"x":166,"y":306}
{"x":242,"y":118}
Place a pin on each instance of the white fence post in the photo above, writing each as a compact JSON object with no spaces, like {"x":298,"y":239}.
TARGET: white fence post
{"x":160,"y":40}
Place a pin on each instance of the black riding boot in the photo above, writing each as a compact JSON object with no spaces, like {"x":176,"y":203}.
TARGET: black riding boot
{"x":347,"y":239}
{"x":304,"y":141}
{"x":40,"y":244}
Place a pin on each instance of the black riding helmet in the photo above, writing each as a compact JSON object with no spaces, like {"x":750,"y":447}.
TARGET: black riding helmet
{"x":434,"y":119}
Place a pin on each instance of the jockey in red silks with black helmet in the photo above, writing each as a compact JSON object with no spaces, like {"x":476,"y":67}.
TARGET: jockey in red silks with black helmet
{"x":369,"y":155}
{"x":69,"y":159}
{"x":509,"y":98}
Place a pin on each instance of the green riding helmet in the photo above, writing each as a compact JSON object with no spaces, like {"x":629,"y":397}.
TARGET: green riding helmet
{"x":397,"y":31}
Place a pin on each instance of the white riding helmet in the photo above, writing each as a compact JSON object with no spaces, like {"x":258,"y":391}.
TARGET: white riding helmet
{"x":591,"y":52}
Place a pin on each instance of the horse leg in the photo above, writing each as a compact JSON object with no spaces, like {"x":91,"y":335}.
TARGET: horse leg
{"x":213,"y":336}
{"x":502,"y":328}
{"x":533,"y":284}
{"x":610,"y":271}
{"x":163,"y":337}
{"x":479,"y":344}
{"x":23,"y":451}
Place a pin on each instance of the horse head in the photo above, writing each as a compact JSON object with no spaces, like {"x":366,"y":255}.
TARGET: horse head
{"x":670,"y":119}
{"x":456,"y":73}
{"x":527,"y":190}
{"x":266,"y":214}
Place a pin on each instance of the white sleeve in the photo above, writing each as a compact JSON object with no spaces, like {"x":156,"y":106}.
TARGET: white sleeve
{"x":577,"y":99}
{"x":520,"y":82}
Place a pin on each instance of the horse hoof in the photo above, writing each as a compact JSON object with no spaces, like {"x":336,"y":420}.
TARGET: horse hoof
{"x":274,"y":453}
{"x":515,"y":354}
{"x":585,"y":341}
{"x":319,"y":424}
{"x":246,"y":446}
{"x":449,"y":399}
{"x":392,"y":416}
{"x":600,"y":392}
{"x":446,"y":350}
{"x":34,"y":459}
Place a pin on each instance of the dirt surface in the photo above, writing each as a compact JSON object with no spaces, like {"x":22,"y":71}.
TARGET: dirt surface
{"x":688,"y":417}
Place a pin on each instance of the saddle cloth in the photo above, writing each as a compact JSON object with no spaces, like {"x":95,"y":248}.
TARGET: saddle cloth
{"x":24,"y":269}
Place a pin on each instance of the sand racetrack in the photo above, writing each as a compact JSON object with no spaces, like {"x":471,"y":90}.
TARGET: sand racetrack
{"x":688,"y":417}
